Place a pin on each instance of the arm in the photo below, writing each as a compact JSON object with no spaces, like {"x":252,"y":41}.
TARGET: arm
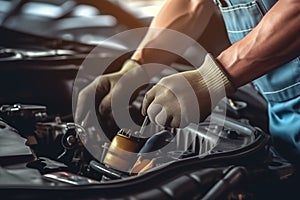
{"x":273,"y":42}
{"x":190,"y":17}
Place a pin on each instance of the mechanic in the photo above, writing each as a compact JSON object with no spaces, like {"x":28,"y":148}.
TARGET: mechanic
{"x":263,"y":47}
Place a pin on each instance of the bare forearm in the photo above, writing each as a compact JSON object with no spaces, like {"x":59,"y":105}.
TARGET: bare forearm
{"x":273,"y":42}
{"x":189,"y":17}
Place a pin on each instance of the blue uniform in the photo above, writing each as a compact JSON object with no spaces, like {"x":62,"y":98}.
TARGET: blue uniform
{"x":280,"y":87}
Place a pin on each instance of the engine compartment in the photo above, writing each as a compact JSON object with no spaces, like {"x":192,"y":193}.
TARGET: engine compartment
{"x":59,"y":155}
{"x":71,"y":144}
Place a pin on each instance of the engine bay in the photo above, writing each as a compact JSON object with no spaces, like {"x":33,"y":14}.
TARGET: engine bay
{"x":54,"y":153}
{"x":129,"y":153}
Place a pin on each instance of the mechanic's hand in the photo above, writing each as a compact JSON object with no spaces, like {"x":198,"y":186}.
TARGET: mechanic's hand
{"x":101,"y":90}
{"x":186,"y":97}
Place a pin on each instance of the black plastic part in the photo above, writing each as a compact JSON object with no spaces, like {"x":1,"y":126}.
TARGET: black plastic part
{"x":104,"y":170}
{"x":23,"y":117}
{"x":150,"y":195}
{"x":232,"y":178}
{"x":157,"y":141}
{"x":193,"y":184}
{"x":45,"y":165}
{"x":12,"y":147}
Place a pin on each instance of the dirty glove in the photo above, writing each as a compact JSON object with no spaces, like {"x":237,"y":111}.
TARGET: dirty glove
{"x":186,"y":97}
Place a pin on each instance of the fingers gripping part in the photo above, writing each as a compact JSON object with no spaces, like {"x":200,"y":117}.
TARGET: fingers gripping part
{"x":105,"y":105}
{"x":183,"y":96}
{"x":149,"y":97}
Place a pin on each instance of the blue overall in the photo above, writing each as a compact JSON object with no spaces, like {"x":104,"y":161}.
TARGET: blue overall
{"x":280,"y":87}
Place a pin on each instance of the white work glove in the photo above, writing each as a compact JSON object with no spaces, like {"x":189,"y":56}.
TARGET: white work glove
{"x":186,"y":97}
{"x":102,"y":90}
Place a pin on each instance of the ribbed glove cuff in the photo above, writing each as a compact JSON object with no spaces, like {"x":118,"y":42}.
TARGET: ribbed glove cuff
{"x":215,"y":77}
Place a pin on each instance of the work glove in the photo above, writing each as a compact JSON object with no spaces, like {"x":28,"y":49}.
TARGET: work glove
{"x":182,"y":98}
{"x":100,"y":93}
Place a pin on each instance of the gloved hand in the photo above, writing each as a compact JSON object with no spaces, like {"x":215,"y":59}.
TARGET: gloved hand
{"x":102,"y":90}
{"x":186,"y":97}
